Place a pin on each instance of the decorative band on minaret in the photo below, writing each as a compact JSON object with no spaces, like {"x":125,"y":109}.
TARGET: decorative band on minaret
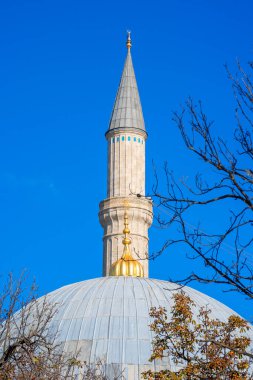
{"x":126,"y":139}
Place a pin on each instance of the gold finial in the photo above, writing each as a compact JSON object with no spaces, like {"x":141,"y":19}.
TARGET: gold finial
{"x":126,"y":231}
{"x":127,"y":265}
{"x":129,"y":41}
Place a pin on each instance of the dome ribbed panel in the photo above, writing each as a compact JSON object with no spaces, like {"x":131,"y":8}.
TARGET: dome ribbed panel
{"x":108,"y":319}
{"x":127,"y":110}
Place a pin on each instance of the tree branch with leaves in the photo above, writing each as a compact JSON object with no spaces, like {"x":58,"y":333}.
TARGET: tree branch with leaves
{"x":200,"y":346}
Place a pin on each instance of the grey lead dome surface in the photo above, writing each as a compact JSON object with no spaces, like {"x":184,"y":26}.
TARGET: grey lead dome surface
{"x":108,"y":319}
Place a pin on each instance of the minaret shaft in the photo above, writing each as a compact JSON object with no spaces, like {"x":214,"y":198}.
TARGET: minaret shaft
{"x":111,"y":217}
{"x":126,"y":140}
{"x":126,"y":163}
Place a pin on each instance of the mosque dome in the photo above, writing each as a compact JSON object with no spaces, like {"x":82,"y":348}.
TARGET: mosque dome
{"x":108,"y":319}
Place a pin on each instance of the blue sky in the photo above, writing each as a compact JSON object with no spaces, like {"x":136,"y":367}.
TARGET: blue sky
{"x":60,"y":66}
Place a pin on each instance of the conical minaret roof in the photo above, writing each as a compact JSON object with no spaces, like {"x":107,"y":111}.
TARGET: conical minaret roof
{"x":127,"y":111}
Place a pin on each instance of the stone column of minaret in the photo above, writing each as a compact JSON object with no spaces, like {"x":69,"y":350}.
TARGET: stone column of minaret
{"x":126,"y":139}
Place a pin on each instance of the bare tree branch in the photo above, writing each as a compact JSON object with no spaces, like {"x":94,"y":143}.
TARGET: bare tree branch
{"x":232,"y":186}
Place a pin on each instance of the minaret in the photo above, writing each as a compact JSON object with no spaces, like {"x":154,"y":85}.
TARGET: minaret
{"x":126,"y":138}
